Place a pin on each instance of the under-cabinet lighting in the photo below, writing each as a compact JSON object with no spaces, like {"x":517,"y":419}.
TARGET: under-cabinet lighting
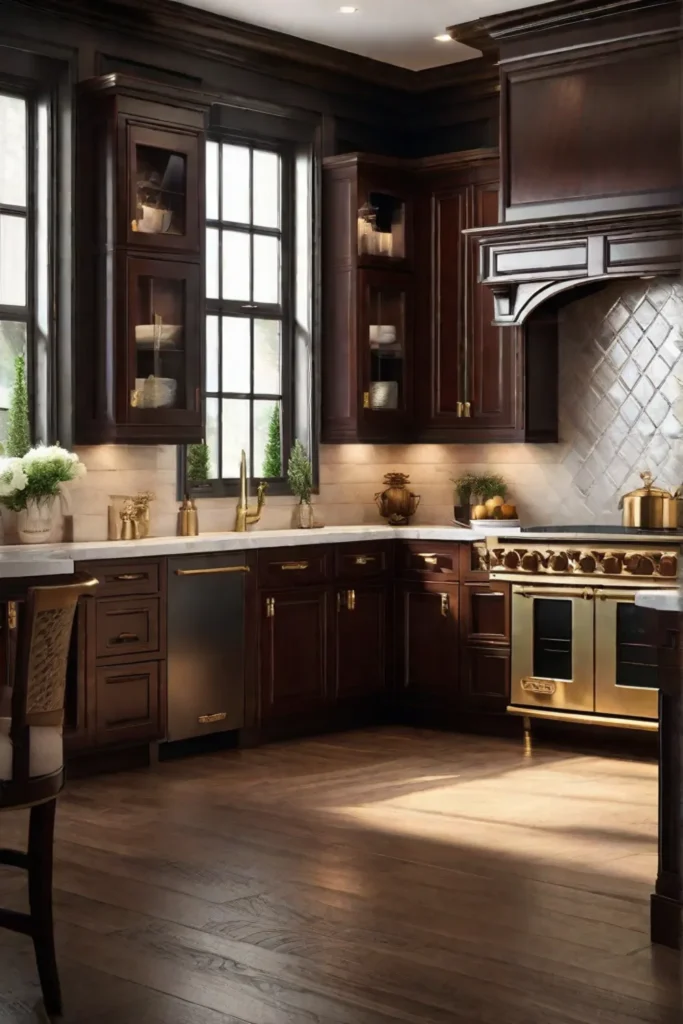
{"x":348,"y":10}
{"x":444,"y":37}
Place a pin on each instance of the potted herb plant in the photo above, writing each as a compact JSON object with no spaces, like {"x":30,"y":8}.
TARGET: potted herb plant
{"x":31,"y":485}
{"x":300,"y":478}
{"x":464,"y":493}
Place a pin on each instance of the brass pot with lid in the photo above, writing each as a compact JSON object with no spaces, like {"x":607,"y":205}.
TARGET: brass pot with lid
{"x":649,"y":508}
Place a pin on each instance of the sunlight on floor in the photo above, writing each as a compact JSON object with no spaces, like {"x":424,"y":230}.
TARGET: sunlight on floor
{"x":568,"y":815}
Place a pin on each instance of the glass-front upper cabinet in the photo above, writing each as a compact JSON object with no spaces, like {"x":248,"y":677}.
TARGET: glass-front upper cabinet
{"x":141,"y":264}
{"x":385,"y":337}
{"x":163,"y":337}
{"x":163,"y":194}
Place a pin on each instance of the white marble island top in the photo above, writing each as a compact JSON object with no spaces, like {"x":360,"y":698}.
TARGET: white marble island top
{"x":661,"y":600}
{"x":52,"y":559}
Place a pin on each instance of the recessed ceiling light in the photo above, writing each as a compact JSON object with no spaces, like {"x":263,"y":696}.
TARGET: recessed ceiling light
{"x":444,"y":37}
{"x":348,"y":10}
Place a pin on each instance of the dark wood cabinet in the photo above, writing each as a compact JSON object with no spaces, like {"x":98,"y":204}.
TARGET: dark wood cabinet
{"x":485,"y":646}
{"x":470,"y":382}
{"x":293,"y":651}
{"x":368,"y":289}
{"x":141,"y":277}
{"x":361,"y":642}
{"x":428,"y":628}
{"x":128,"y":703}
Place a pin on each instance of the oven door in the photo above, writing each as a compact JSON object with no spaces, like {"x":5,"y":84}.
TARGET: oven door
{"x":626,"y":677}
{"x":553,"y":648}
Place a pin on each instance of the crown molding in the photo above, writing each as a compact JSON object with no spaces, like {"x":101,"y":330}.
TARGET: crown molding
{"x":253,"y":48}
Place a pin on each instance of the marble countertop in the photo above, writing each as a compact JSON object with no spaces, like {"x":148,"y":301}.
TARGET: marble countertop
{"x":52,"y":559}
{"x":661,"y":600}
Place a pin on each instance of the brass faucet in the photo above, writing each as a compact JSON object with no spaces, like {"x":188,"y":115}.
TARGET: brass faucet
{"x":245,"y":516}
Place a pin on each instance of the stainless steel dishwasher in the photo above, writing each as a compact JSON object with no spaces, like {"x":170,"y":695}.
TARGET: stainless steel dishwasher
{"x":206,"y":600}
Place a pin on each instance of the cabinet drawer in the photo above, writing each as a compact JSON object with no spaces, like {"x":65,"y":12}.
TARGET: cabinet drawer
{"x":430,"y":561}
{"x":485,"y":613}
{"x":128,"y":702}
{"x":289,"y":567}
{"x":362,"y":561}
{"x":126,"y":627}
{"x":134,"y":577}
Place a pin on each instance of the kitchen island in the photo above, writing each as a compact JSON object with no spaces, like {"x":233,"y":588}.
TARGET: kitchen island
{"x":667,"y":900}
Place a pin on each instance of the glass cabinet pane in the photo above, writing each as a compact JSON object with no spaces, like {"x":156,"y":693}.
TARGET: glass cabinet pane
{"x":159,"y":312}
{"x":382,"y":226}
{"x":386,"y":340}
{"x":160,"y":191}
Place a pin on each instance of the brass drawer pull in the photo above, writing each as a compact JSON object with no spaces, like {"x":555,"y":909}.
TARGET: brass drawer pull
{"x":270,"y":607}
{"x":209,"y":719}
{"x":212,"y":572}
{"x":126,"y":638}
{"x":445,"y":605}
{"x":351,"y":600}
{"x":126,"y":576}
{"x":293,"y":566}
{"x":429,"y":559}
{"x":364,"y":559}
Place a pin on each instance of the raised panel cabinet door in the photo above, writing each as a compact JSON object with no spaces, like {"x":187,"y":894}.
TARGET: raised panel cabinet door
{"x":492,"y":355}
{"x":293,"y":665}
{"x":485,"y":614}
{"x":439,"y":369}
{"x":360,"y":641}
{"x":428,"y":629}
{"x":486,"y":677}
{"x":128,"y":702}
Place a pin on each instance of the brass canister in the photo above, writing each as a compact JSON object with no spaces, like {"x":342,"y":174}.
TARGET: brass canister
{"x":397,"y":504}
{"x":649,"y":508}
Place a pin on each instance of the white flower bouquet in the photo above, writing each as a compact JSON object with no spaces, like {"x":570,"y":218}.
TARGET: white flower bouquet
{"x":37,"y":477}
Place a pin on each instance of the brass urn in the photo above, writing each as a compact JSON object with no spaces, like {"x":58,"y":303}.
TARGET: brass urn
{"x":397,"y":504}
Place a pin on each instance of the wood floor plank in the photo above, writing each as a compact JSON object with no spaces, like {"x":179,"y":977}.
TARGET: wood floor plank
{"x":367,"y":878}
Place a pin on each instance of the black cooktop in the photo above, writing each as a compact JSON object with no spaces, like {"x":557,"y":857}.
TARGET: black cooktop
{"x":630,"y":531}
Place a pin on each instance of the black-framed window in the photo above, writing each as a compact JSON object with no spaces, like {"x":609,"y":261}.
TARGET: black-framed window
{"x":249,"y":278}
{"x":26,"y":309}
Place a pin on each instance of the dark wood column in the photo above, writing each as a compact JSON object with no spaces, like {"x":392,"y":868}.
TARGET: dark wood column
{"x":667,"y":900}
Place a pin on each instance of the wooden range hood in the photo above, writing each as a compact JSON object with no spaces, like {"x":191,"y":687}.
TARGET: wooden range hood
{"x":590,"y":142}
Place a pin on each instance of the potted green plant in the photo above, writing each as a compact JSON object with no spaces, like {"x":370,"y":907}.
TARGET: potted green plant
{"x":31,"y":485}
{"x":464,"y":492}
{"x":300,"y":478}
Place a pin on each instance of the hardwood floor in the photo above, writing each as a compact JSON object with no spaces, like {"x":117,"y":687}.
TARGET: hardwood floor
{"x":363,"y":878}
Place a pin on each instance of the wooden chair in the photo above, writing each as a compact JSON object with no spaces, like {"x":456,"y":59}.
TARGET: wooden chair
{"x":32,"y":759}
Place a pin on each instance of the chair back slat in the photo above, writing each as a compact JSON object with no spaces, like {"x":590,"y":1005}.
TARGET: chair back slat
{"x":38,"y":691}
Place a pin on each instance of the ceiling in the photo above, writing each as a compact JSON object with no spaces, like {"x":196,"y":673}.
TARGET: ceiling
{"x":399,"y":32}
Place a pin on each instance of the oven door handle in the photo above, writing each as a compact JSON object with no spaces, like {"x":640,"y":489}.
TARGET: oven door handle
{"x":616,"y":595}
{"x":567,"y":592}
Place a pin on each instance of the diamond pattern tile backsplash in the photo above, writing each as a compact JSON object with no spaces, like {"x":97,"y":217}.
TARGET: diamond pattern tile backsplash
{"x":621,"y":381}
{"x":621,"y":385}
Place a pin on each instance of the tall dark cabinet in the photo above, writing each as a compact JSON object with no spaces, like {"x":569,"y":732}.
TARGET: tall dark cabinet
{"x":141,"y":276}
{"x":410,"y":351}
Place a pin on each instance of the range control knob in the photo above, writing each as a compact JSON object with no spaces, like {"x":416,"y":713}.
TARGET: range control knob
{"x":668,"y":565}
{"x":631,"y":563}
{"x":611,"y":563}
{"x":511,"y":560}
{"x":531,"y":561}
{"x":587,"y":562}
{"x":646,"y":566}
{"x":559,"y":561}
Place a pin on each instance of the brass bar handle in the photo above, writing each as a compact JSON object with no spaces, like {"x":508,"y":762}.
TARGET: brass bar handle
{"x":459,"y":409}
{"x":270,"y":607}
{"x":351,"y":600}
{"x":125,"y":577}
{"x":445,"y":605}
{"x":467,"y":412}
{"x":566,"y":592}
{"x":617,"y":595}
{"x":294,"y":566}
{"x":212,"y":572}
{"x":11,"y":615}
{"x":366,"y":399}
{"x":209,"y":719}
{"x":126,"y":638}
{"x":364,"y":559}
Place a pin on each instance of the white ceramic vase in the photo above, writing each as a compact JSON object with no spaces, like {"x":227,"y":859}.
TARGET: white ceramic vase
{"x":36,"y":522}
